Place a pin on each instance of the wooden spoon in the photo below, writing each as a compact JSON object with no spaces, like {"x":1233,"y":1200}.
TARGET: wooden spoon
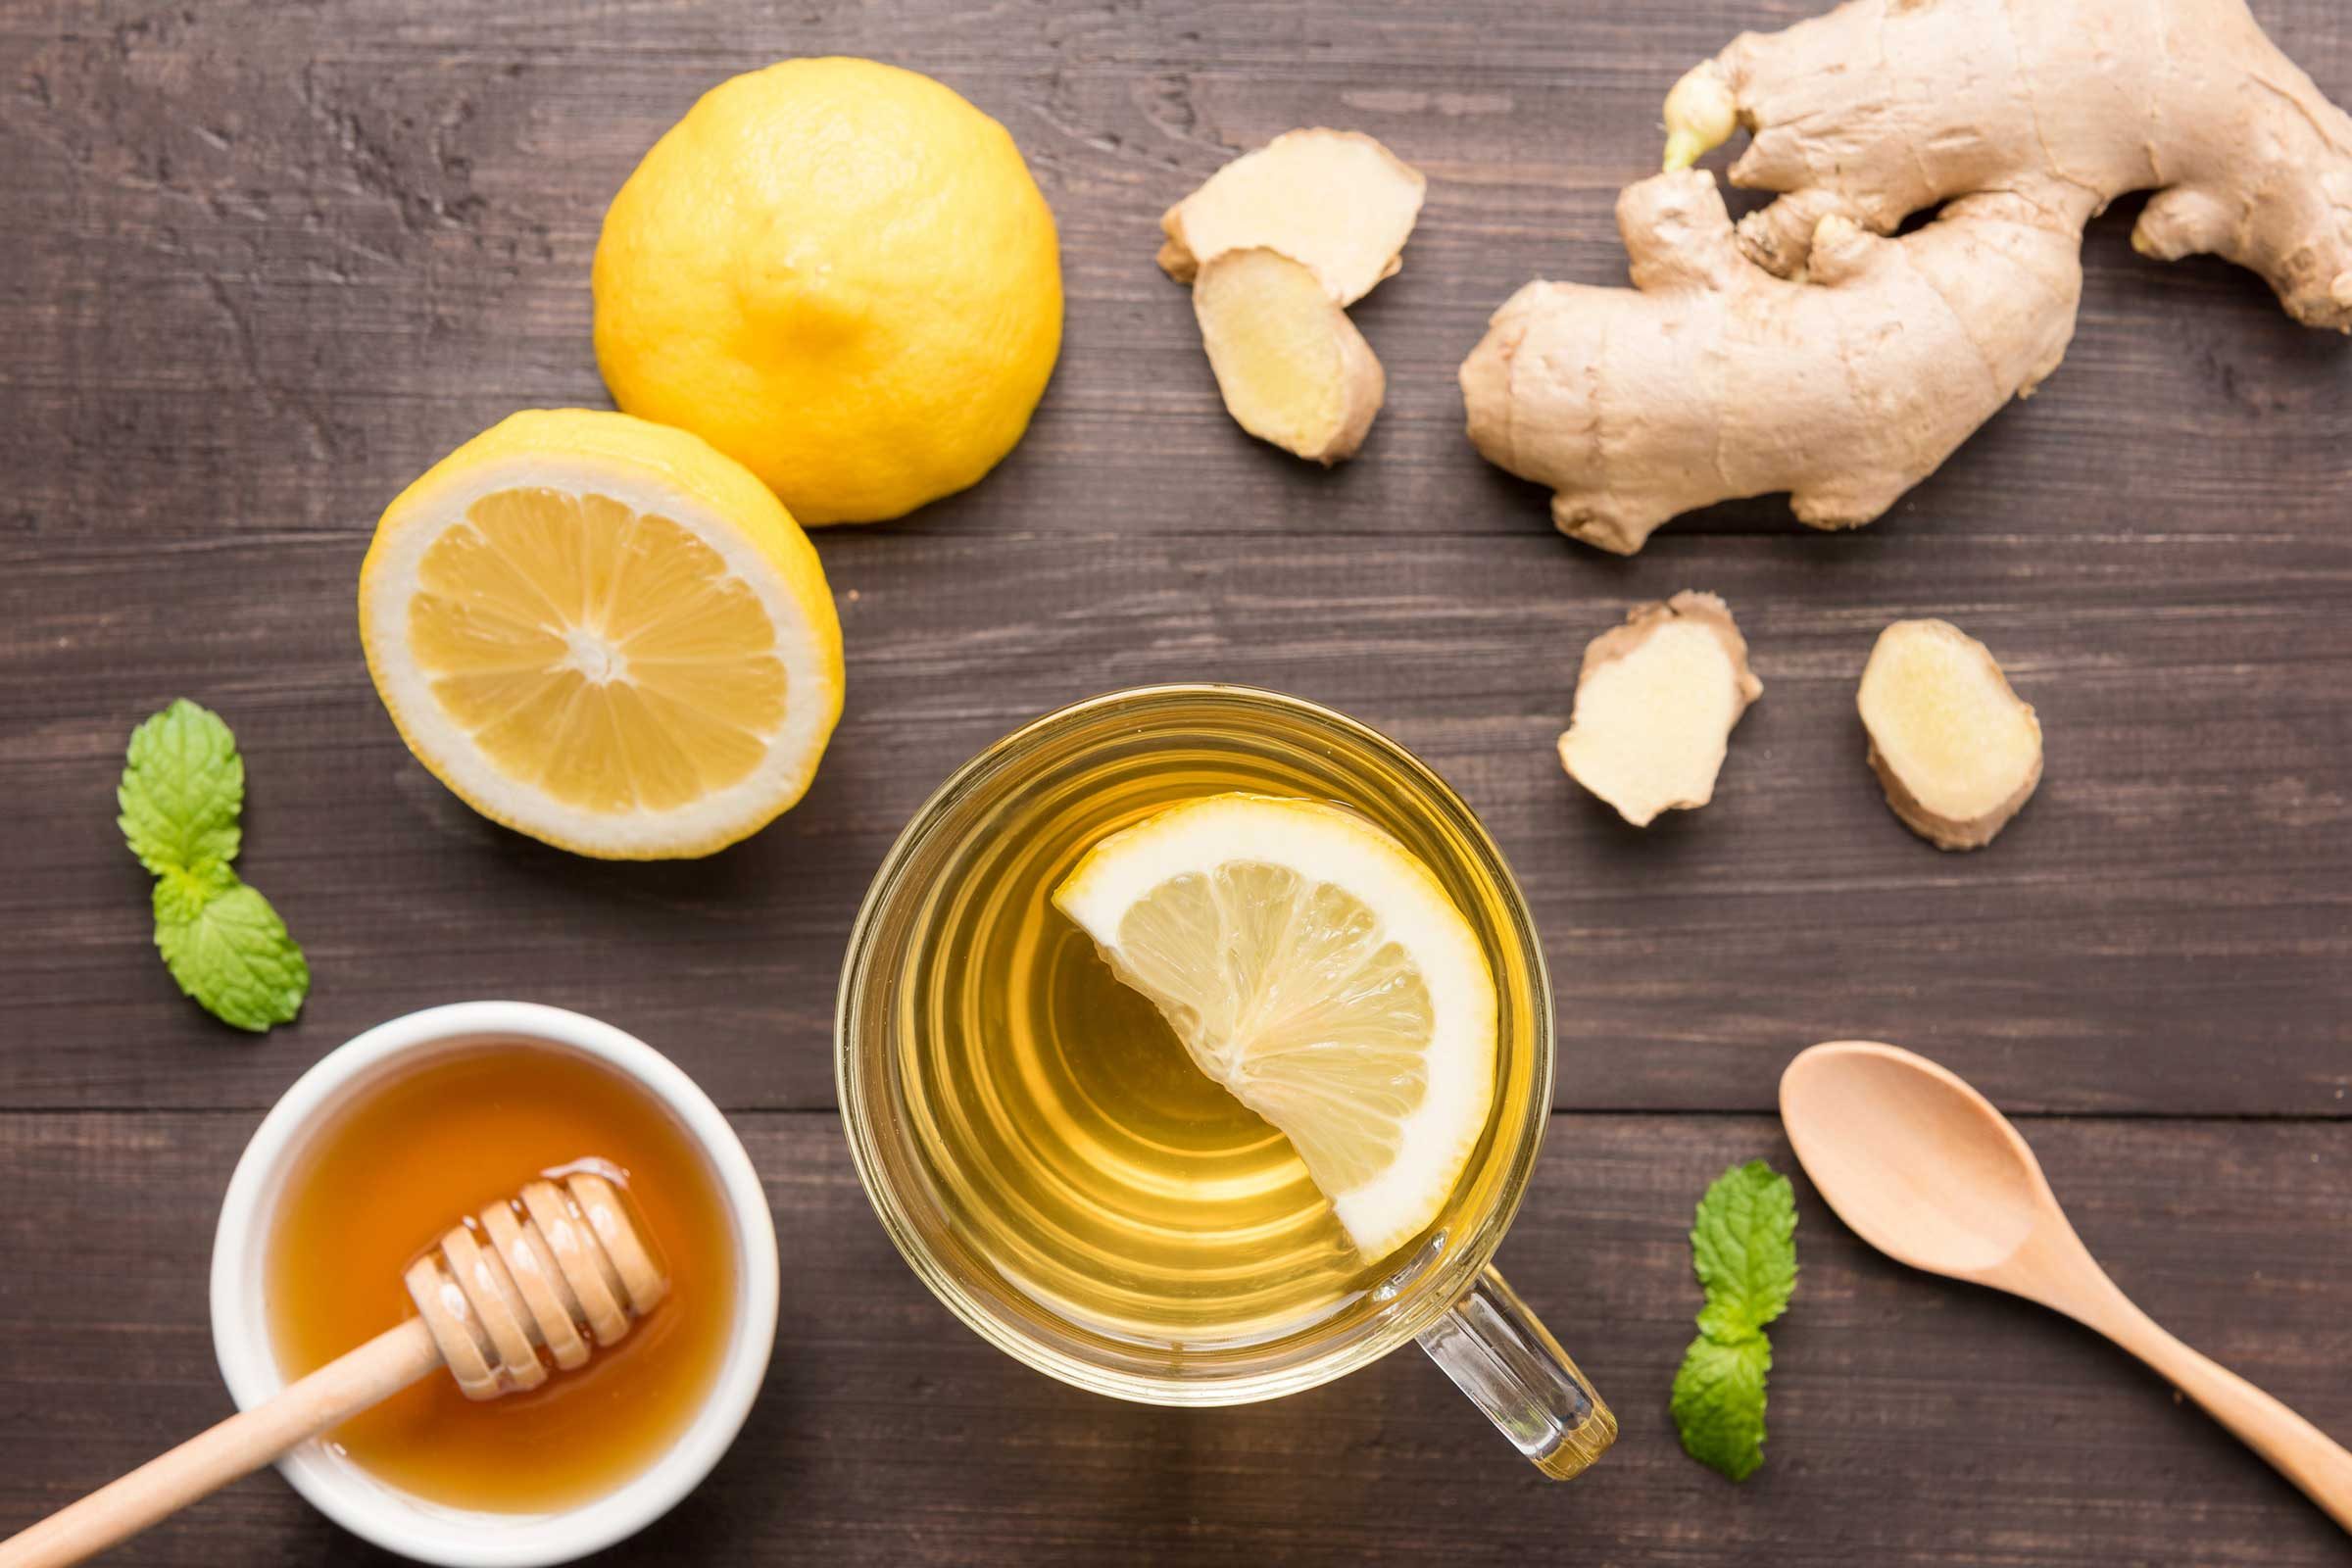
{"x":494,"y":1292}
{"x":1923,"y":1168}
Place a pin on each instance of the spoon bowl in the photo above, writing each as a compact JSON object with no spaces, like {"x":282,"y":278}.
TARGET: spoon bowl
{"x":1923,"y":1167}
{"x":1913,"y":1160}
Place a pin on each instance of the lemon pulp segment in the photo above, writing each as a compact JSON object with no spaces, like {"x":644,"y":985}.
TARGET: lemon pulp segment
{"x":1286,"y":987}
{"x":606,"y":656}
{"x":1320,"y":973}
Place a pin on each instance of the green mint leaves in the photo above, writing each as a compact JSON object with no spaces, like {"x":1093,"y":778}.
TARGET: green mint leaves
{"x":1719,"y":1403}
{"x":183,"y":786}
{"x":232,"y":952}
{"x":1743,"y":1246}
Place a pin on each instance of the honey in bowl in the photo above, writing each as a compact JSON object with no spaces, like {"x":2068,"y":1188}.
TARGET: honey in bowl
{"x":384,"y":1177}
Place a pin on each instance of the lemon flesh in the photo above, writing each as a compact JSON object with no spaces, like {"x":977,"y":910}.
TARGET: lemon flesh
{"x":1319,"y":972}
{"x":840,"y":273}
{"x":603,"y":634}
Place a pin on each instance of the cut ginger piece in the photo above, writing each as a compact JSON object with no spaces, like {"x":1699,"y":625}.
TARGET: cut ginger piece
{"x":1957,"y":752}
{"x":1655,"y":706}
{"x":1335,"y":200}
{"x":1292,"y":369}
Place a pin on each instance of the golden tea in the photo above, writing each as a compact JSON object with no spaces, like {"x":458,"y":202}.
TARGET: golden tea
{"x":1064,"y":1134}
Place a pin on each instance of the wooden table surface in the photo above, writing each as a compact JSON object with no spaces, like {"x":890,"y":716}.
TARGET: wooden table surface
{"x":264,"y":265}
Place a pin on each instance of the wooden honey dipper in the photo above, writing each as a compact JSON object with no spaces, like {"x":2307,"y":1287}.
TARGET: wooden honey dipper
{"x":556,"y":1267}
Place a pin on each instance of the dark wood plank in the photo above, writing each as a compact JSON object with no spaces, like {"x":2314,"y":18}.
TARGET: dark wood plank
{"x":1911,"y":1421}
{"x":263,"y":274}
{"x":251,"y":302}
{"x":266,"y":262}
{"x":2167,"y":928}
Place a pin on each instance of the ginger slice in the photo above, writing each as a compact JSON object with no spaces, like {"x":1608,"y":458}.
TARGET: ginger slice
{"x":1292,"y":369}
{"x":1957,"y":752}
{"x":1336,"y":201}
{"x":1655,"y":705}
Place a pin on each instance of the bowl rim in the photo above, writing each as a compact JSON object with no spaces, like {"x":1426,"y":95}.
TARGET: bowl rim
{"x":1458,"y":1270}
{"x":414,"y":1527}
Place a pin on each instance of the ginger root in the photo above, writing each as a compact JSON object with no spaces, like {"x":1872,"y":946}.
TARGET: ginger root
{"x":1336,"y":201}
{"x":1844,"y":391}
{"x":1292,"y":367}
{"x":1655,"y":703}
{"x":1957,"y":750}
{"x":1809,"y":353}
{"x":1276,"y":245}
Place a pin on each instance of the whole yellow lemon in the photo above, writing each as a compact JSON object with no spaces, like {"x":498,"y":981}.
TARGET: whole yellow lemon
{"x":839,"y":274}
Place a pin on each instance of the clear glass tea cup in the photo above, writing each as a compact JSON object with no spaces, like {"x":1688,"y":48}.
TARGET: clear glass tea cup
{"x":1090,"y":768}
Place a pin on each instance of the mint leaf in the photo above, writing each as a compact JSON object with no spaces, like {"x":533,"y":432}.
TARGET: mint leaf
{"x":1743,"y":1249}
{"x":1719,"y":1403}
{"x":182,"y":787}
{"x":1744,"y":1246}
{"x":180,"y":896}
{"x":228,"y":950}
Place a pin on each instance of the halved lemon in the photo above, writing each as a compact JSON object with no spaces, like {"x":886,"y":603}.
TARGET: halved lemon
{"x":1316,"y":970}
{"x":602,"y":632}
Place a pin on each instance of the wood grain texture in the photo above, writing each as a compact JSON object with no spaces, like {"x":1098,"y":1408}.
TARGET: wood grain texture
{"x":347,"y":237}
{"x":266,"y":262}
{"x":1912,"y":1420}
{"x":2168,"y":927}
{"x":260,"y":284}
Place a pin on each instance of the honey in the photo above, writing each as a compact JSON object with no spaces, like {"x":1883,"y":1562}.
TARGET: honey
{"x":388,"y":1173}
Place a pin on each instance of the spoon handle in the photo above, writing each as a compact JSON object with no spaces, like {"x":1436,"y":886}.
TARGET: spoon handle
{"x":2294,"y":1448}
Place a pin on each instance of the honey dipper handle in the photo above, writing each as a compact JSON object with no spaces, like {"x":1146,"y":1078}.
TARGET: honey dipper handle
{"x":237,"y":1446}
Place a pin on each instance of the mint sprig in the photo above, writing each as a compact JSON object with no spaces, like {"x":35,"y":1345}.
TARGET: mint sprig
{"x":1743,"y":1249}
{"x":182,"y":790}
{"x":183,"y":785}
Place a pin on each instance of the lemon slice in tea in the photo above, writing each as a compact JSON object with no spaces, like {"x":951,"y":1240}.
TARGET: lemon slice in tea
{"x":602,"y":632}
{"x":1316,"y":968}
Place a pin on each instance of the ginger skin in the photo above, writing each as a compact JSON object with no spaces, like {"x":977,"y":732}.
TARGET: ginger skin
{"x":2187,"y":98}
{"x":1655,"y":703}
{"x":1807,"y":353}
{"x":1844,"y":390}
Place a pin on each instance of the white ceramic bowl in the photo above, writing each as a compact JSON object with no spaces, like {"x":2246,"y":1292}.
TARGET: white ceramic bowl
{"x":411,"y":1526}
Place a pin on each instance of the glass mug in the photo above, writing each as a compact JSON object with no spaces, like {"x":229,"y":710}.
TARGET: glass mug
{"x":1116,"y":1220}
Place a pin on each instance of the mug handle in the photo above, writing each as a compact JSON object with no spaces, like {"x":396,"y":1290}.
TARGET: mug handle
{"x":1496,"y":1353}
